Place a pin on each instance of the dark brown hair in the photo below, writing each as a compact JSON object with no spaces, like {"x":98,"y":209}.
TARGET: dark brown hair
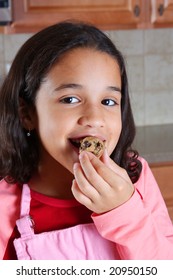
{"x":19,"y":154}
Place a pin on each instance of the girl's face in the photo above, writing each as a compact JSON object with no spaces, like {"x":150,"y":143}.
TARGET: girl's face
{"x":80,"y":96}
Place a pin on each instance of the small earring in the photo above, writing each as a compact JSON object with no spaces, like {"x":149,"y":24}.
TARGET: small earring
{"x":28,"y":133}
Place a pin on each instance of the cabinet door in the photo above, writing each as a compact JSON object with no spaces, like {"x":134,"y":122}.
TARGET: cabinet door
{"x":164,"y":178}
{"x":162,"y":13}
{"x":32,"y":15}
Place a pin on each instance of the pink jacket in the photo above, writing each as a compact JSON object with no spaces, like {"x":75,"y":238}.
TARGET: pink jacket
{"x":141,"y":227}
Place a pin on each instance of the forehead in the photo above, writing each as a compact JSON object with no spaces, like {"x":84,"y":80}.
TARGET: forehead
{"x":85,"y":60}
{"x":85,"y":52}
{"x":84,"y":71}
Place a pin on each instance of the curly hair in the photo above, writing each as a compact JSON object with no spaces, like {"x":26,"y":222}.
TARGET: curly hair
{"x":19,"y":154}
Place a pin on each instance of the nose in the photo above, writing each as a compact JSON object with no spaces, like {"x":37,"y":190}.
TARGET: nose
{"x":92,"y":117}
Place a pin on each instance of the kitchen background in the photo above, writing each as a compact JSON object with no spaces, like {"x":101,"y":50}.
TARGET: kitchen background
{"x":149,"y":59}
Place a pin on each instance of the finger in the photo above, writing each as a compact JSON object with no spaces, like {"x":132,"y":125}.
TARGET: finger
{"x":82,"y":182}
{"x":91,"y":174}
{"x":117,"y":178}
{"x":107,"y":160}
{"x":87,"y":202}
{"x":79,"y":196}
{"x":115,"y":167}
{"x":110,"y":172}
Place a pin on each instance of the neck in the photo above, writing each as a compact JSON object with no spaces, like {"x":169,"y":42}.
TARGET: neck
{"x":53,"y":180}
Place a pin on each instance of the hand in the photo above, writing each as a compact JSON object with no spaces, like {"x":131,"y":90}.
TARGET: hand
{"x":100,"y":185}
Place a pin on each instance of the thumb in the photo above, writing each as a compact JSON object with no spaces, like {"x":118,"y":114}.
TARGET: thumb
{"x":105,"y":158}
{"x":114,"y":166}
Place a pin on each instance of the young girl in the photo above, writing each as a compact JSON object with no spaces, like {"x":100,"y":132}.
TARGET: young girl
{"x":67,"y":82}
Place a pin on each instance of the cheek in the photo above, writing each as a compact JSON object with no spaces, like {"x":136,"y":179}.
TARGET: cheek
{"x":54,"y":126}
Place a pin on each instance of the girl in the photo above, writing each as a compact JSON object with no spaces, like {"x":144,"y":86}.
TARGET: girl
{"x":67,"y":82}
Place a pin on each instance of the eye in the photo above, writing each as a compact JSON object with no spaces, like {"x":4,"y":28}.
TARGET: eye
{"x":109,"y":102}
{"x":70,"y":100}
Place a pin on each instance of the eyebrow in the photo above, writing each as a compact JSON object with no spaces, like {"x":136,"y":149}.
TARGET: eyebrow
{"x":64,"y":86}
{"x":78,"y":86}
{"x":114,"y":88}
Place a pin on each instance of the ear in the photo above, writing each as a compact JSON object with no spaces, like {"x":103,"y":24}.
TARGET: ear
{"x":26,"y":115}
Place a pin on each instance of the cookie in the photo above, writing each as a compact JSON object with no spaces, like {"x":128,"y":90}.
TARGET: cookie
{"x":92,"y":144}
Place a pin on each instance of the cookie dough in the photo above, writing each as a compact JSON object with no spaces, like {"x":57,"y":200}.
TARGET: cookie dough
{"x":92,"y":144}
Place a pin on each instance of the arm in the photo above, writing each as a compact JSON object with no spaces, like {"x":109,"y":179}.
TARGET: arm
{"x":141,"y":231}
{"x":140,"y":226}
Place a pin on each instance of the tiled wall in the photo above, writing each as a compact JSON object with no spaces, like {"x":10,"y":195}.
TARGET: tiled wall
{"x":149,"y":59}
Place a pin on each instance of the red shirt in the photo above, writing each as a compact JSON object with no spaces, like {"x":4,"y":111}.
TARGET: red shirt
{"x":49,"y":214}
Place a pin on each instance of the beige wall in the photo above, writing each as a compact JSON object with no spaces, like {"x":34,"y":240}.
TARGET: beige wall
{"x":149,"y":59}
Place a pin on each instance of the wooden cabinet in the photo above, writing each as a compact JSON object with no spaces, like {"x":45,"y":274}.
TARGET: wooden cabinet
{"x":33,"y":15}
{"x":162,"y":13}
{"x":164,"y":176}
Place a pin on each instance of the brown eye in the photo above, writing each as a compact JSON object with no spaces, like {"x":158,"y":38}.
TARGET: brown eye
{"x":69,"y":100}
{"x":109,"y":102}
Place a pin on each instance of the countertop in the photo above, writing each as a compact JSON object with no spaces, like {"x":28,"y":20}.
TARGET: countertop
{"x":155,"y":143}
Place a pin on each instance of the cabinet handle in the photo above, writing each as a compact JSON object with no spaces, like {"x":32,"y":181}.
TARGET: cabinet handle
{"x":136,"y":10}
{"x":161,"y":9}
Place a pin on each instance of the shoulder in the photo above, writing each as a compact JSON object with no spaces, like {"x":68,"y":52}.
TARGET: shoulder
{"x":147,"y":184}
{"x":10,"y":195}
{"x":146,"y":173}
{"x":144,"y":162}
{"x":8,"y":192}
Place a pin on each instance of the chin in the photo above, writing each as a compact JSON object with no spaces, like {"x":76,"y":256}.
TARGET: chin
{"x":71,"y":170}
{"x":68,"y":167}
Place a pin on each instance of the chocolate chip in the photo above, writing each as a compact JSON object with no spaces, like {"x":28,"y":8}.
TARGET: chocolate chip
{"x":87,"y":144}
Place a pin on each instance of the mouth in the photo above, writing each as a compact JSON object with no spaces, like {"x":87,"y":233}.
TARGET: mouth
{"x":78,"y":144}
